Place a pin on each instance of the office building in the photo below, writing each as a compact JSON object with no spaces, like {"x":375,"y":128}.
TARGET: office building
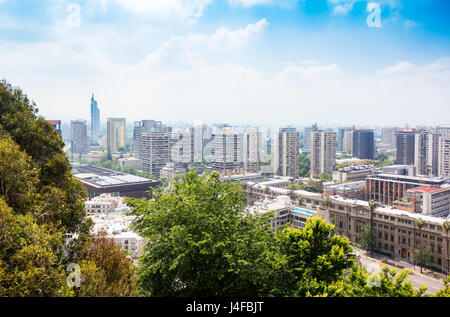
{"x":363,"y":144}
{"x":95,"y":121}
{"x":182,"y":148}
{"x":340,"y":139}
{"x":406,"y":146}
{"x":79,"y":137}
{"x":145,"y":126}
{"x":347,"y":142}
{"x":116,"y":134}
{"x":427,"y":200}
{"x":155,"y":152}
{"x":323,"y":154}
{"x":286,"y":153}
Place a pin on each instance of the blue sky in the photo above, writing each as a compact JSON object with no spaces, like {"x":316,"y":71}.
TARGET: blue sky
{"x":236,"y":61}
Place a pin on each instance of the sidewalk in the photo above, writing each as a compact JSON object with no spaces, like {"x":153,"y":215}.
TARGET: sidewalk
{"x":400,"y":264}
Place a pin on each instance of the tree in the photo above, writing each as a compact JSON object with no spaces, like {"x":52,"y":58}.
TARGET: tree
{"x":422,"y":256}
{"x":384,"y":283}
{"x":324,"y":177}
{"x":367,"y":241}
{"x":309,"y":260}
{"x":419,"y":223}
{"x":200,"y":242}
{"x":304,"y":165}
{"x":313,"y":186}
{"x":30,"y":262}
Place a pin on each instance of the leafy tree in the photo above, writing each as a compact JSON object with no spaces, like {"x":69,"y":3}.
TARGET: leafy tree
{"x":29,"y":257}
{"x":368,"y":239}
{"x":308,"y":260}
{"x":106,"y":270}
{"x":313,"y":186}
{"x":384,"y":283}
{"x":422,"y":256}
{"x":304,"y":165}
{"x":200,"y":242}
{"x":324,"y":177}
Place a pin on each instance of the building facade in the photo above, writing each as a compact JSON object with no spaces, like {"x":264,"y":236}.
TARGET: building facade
{"x":286,"y":152}
{"x":79,"y":137}
{"x":323,"y":154}
{"x":95,"y":121}
{"x":116,"y":134}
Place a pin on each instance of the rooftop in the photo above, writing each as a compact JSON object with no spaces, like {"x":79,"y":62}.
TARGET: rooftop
{"x":102,"y":177}
{"x":429,"y":189}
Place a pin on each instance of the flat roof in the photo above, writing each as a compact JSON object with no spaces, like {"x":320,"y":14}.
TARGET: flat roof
{"x":429,"y":189}
{"x":102,"y":177}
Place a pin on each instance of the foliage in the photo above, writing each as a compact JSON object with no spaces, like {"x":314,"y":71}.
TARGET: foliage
{"x":309,"y":260}
{"x":200,"y":242}
{"x":422,"y":255}
{"x":304,"y":165}
{"x":368,"y":239}
{"x":324,"y":177}
{"x":29,"y":257}
{"x":106,"y":271}
{"x":384,"y":283}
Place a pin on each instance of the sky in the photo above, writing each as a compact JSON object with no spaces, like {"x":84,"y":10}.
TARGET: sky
{"x":262,"y":62}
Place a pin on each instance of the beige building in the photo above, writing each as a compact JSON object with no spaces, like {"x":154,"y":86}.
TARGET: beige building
{"x":323,"y":154}
{"x":116,"y":134}
{"x":426,"y":153}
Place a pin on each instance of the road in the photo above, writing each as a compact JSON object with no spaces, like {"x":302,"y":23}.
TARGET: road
{"x":417,"y":279}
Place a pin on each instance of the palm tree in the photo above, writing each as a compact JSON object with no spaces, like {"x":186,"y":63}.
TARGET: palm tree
{"x":446,"y":227}
{"x":372,"y":206}
{"x":419,"y":224}
{"x":327,"y":201}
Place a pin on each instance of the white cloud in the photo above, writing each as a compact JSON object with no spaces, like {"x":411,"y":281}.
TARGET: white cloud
{"x":251,"y":3}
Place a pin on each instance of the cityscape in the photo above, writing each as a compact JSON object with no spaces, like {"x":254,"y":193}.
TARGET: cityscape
{"x":222,"y":160}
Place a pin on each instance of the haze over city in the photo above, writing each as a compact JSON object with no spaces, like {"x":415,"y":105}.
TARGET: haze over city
{"x":237,"y":61}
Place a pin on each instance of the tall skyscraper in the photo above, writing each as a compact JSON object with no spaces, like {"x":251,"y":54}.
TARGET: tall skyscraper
{"x":323,"y":154}
{"x":78,"y":135}
{"x":116,"y":134}
{"x":363,"y":144}
{"x":444,"y":156}
{"x":95,"y":121}
{"x":145,"y":126}
{"x":347,"y":142}
{"x":307,"y":140}
{"x":426,"y":153}
{"x":286,"y":152}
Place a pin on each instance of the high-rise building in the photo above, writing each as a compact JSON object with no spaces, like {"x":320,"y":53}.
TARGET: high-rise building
{"x":252,"y":151}
{"x":116,"y":134}
{"x":406,"y":147}
{"x":340,"y":139}
{"x":307,"y":140}
{"x":202,"y":136}
{"x":426,"y":153}
{"x":389,"y":136}
{"x":323,"y":154}
{"x":444,"y":156}
{"x":145,"y":126}
{"x":78,"y":135}
{"x":226,"y":150}
{"x":95,"y":121}
{"x":347,"y":142}
{"x":443,"y":131}
{"x":182,"y":148}
{"x":286,"y":152}
{"x":155,"y":151}
{"x":363,"y":144}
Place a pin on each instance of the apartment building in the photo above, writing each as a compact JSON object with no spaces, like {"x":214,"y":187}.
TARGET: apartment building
{"x":363,"y":144}
{"x":251,"y":140}
{"x":444,"y":157}
{"x":426,"y":153}
{"x":389,"y":137}
{"x":155,"y":152}
{"x":226,"y":151}
{"x":286,"y":152}
{"x":406,"y":147}
{"x":323,"y":154}
{"x":307,"y":139}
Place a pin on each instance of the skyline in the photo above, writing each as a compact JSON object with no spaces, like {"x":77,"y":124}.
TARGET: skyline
{"x":236,"y":61}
